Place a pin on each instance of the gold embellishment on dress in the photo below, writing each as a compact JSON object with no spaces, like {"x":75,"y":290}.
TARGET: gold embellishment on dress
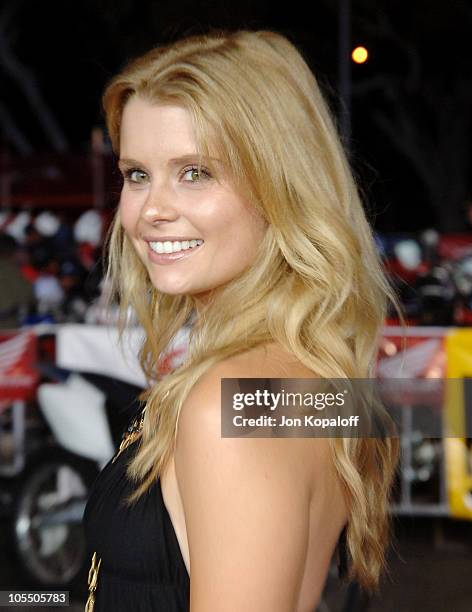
{"x":92,"y":583}
{"x":131,"y":434}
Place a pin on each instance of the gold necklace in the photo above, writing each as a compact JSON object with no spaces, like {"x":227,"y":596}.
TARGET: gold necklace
{"x":131,"y":434}
{"x":92,"y":583}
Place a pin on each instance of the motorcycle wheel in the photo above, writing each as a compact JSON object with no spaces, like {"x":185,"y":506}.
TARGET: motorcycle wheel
{"x":47,"y":533}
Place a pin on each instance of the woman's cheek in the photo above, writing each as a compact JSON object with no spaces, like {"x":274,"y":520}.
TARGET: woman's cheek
{"x":125,"y":213}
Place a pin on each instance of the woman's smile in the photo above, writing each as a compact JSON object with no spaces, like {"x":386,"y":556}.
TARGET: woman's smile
{"x":166,"y":253}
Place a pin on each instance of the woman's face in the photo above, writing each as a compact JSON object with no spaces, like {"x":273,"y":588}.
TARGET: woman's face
{"x":165,"y":201}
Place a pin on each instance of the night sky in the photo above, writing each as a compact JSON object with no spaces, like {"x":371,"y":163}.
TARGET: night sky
{"x":411,"y":104}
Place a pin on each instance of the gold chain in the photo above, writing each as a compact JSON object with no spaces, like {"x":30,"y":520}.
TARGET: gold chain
{"x":92,"y":583}
{"x":131,"y":434}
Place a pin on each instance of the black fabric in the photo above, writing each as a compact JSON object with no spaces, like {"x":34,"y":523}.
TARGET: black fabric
{"x":342,"y":555}
{"x":142,"y":569}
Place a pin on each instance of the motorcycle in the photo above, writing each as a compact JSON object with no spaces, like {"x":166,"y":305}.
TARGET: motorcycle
{"x":86,"y":414}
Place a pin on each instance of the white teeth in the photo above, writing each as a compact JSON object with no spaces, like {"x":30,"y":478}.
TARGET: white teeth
{"x":174,"y":247}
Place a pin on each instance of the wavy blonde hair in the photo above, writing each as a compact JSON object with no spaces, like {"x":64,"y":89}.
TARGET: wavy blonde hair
{"x":316,"y":285}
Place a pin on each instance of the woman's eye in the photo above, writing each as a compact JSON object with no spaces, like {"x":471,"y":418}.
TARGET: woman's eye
{"x":195,"y":174}
{"x":134,"y":175}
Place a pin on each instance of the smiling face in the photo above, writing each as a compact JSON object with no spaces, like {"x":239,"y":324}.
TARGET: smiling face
{"x":165,"y":202}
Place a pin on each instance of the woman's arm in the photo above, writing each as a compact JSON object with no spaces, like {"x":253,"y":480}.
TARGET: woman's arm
{"x":247,"y":508}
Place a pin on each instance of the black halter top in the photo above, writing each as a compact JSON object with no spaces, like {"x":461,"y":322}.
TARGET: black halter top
{"x":140,"y":564}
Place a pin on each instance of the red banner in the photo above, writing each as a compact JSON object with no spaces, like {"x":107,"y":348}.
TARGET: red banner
{"x":18,"y":375}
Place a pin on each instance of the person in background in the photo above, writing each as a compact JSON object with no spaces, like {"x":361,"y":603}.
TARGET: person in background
{"x":47,"y":288}
{"x":72,"y":278}
{"x":16,"y":293}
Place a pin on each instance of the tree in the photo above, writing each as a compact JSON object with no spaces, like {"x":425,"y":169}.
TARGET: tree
{"x":426,"y":115}
{"x":28,"y":84}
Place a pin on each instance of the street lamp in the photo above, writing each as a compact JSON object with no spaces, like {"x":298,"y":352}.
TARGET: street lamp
{"x":360,"y":55}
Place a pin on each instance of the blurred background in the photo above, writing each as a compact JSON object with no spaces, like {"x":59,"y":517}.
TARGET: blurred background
{"x":397,"y":76}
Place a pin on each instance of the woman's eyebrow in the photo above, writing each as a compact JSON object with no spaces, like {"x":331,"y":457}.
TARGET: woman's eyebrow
{"x":128,"y":161}
{"x":171,"y":162}
{"x":189,"y":158}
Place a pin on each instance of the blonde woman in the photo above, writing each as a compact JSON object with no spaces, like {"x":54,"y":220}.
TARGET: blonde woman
{"x":240,"y":215}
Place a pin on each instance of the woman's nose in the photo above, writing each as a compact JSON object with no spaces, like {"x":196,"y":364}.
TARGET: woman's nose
{"x":158,"y":207}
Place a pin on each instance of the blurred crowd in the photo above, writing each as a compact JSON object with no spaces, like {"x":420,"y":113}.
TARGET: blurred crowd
{"x":51,"y":271}
{"x":50,"y":267}
{"x":432,"y":276}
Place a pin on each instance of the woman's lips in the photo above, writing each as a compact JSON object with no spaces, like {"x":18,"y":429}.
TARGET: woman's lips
{"x":170,"y":258}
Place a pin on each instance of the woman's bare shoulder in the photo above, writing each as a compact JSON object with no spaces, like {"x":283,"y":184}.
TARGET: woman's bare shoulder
{"x":270,"y":360}
{"x":239,"y":496}
{"x":202,"y":408}
{"x":243,"y":494}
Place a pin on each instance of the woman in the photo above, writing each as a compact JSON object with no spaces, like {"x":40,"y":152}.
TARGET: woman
{"x":238,"y":214}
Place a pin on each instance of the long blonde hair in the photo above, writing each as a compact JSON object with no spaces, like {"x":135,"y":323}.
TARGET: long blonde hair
{"x":316,"y":286}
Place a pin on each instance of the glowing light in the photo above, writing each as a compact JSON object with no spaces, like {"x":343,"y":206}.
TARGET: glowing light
{"x":360,"y":55}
